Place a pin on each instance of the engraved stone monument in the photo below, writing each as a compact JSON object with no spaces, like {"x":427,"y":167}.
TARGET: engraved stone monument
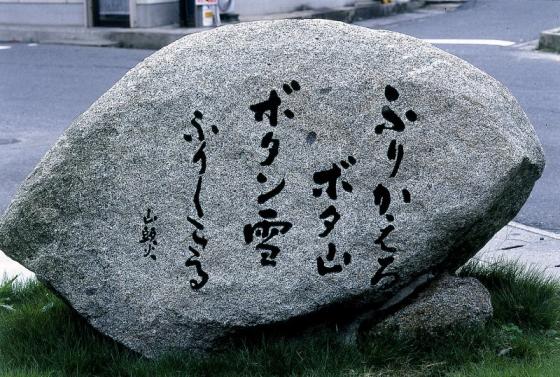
{"x":262,"y":172}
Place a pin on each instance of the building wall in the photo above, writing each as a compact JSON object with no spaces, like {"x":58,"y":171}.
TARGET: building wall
{"x":261,"y":7}
{"x":147,"y":13}
{"x":43,"y":12}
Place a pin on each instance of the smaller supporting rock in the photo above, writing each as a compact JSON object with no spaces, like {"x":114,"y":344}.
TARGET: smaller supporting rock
{"x":449,"y":303}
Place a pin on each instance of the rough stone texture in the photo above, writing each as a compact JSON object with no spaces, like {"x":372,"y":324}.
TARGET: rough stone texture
{"x":448,"y":303}
{"x":470,"y":161}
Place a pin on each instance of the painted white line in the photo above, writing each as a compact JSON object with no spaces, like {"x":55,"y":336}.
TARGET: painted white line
{"x":32,"y":44}
{"x":5,"y":47}
{"x":538,"y":231}
{"x":485,"y":42}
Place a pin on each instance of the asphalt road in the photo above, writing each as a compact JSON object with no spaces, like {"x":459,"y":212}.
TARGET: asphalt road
{"x":44,"y":87}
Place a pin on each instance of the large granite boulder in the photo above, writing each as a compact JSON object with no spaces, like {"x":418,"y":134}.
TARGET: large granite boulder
{"x":267,"y":171}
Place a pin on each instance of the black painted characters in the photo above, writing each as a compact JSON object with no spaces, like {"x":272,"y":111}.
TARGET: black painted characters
{"x":149,"y":235}
{"x":269,"y":227}
{"x":328,"y":185}
{"x":272,"y":104}
{"x":330,"y":178}
{"x":381,"y":194}
{"x":200,"y":241}
{"x":397,"y":124}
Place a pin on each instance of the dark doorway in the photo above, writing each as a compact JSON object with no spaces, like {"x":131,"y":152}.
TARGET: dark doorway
{"x":111,"y":13}
{"x":187,"y":13}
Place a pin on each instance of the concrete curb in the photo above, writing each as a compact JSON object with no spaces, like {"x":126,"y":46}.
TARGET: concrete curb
{"x":10,"y":269}
{"x":550,"y":40}
{"x":533,"y":230}
{"x":532,"y":248}
{"x":156,"y":38}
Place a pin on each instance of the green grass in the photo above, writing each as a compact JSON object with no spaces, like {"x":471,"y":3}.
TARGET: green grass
{"x":41,"y":336}
{"x":519,"y":295}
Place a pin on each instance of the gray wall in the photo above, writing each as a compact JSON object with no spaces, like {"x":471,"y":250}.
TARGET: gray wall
{"x":47,"y":12}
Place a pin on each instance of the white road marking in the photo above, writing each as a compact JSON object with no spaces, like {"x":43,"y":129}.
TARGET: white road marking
{"x":485,"y":42}
{"x":32,"y":44}
{"x":5,"y":47}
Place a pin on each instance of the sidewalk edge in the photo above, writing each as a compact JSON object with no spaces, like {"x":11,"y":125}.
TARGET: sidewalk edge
{"x":534,"y":230}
